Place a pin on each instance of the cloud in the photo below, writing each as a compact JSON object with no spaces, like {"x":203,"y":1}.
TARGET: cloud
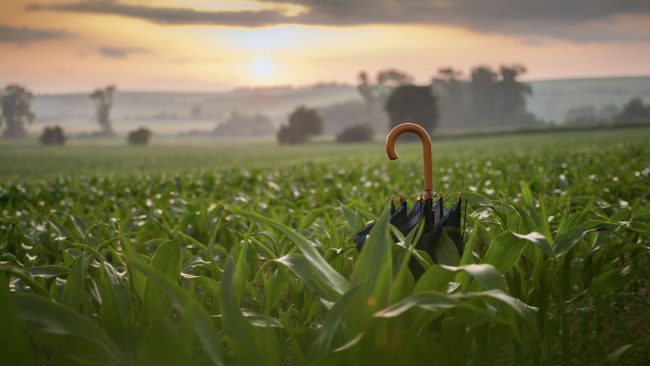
{"x":118,"y":52}
{"x":166,"y":15}
{"x":19,"y":35}
{"x":564,"y":19}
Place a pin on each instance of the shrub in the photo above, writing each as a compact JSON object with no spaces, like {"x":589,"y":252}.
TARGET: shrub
{"x":140,"y":136}
{"x":52,"y":136}
{"x":289,"y":136}
{"x":306,"y":120}
{"x":303,"y":123}
{"x":357,"y":133}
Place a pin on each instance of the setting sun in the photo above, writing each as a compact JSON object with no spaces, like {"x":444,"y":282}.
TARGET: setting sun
{"x":262,"y":67}
{"x":158,"y":45}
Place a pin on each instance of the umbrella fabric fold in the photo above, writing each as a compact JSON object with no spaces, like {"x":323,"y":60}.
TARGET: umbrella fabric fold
{"x":434,"y":216}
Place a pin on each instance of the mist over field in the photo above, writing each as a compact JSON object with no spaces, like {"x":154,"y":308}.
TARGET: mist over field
{"x":172,"y":113}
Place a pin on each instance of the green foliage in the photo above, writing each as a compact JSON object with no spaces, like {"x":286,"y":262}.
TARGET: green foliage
{"x":356,"y":133}
{"x":303,"y":123}
{"x":16,"y":110}
{"x":256,"y":265}
{"x":412,"y":103}
{"x":140,"y":136}
{"x":52,"y":136}
{"x":15,"y":348}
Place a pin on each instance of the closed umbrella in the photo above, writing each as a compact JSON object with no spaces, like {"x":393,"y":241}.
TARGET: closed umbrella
{"x":427,"y":211}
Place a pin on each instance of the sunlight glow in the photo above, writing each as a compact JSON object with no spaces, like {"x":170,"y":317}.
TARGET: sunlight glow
{"x":197,"y":53}
{"x":262,"y":67}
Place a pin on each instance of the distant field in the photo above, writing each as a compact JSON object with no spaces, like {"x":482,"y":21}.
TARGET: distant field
{"x":28,"y":160}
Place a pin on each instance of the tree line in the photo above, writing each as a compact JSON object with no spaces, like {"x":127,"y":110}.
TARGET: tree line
{"x":488,"y":98}
{"x":633,"y":111}
{"x":16,"y":113}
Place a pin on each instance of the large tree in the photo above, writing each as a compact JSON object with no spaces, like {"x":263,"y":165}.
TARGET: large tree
{"x":511,"y":107}
{"x":15,"y":102}
{"x":483,"y":96}
{"x":413,"y":103}
{"x":103,"y":98}
{"x":306,"y":120}
{"x":498,"y":98}
{"x":303,"y":123}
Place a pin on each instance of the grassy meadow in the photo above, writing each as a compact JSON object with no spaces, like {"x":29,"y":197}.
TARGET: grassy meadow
{"x":223,"y":253}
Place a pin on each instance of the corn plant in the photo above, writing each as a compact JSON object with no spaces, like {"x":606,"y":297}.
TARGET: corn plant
{"x":256,"y":266}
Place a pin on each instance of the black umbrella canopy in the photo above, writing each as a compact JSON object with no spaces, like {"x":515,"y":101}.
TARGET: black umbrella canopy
{"x":433,"y":216}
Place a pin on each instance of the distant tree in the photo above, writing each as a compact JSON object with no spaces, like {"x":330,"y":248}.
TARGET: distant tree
{"x":287,"y":136}
{"x":306,"y":120}
{"x":303,"y":123}
{"x":386,"y":81}
{"x":412,"y":103}
{"x":451,"y":91}
{"x":393,"y":77}
{"x":511,"y":96}
{"x":243,"y":125}
{"x":140,"y":136}
{"x":52,"y":136}
{"x":15,"y":102}
{"x":103,"y":98}
{"x":581,"y":115}
{"x":634,"y":110}
{"x":356,"y":133}
{"x":375,"y":95}
{"x":489,"y":98}
{"x":449,"y":74}
{"x":365,"y":89}
{"x":588,"y":114}
{"x":483,"y":96}
{"x":338,"y":116}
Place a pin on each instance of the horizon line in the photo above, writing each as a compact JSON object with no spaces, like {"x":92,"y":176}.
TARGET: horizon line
{"x":292,"y":86}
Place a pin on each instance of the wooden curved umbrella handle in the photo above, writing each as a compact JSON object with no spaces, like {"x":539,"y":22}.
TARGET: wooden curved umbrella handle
{"x":426,"y":151}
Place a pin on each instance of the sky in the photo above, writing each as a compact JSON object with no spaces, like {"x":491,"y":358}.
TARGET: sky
{"x":197,"y":45}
